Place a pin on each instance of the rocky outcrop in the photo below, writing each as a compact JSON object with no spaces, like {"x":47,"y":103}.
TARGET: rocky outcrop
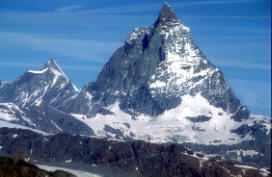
{"x":15,"y":167}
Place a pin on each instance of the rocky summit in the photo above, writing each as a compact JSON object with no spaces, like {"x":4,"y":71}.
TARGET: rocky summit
{"x":157,"y":87}
{"x":156,"y":70}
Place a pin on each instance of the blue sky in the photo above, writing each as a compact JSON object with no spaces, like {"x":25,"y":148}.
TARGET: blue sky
{"x":81,"y":36}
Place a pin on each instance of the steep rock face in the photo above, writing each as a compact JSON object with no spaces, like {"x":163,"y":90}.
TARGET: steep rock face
{"x":155,"y":67}
{"x":48,"y":86}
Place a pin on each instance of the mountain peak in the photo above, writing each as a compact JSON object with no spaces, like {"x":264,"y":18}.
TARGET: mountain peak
{"x":52,"y":64}
{"x":166,"y":16}
{"x":52,"y":67}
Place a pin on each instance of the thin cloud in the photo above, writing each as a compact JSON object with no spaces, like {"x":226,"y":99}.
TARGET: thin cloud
{"x":244,"y":65}
{"x":65,"y":67}
{"x":124,"y":9}
{"x":69,"y":8}
{"x":148,"y":7}
{"x":19,"y":64}
{"x":246,"y":91}
{"x":76,"y":48}
{"x":214,"y":2}
{"x":81,"y":68}
{"x":228,"y":17}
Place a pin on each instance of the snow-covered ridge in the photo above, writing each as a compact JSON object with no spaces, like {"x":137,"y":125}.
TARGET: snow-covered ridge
{"x":55,"y":68}
{"x":38,"y":72}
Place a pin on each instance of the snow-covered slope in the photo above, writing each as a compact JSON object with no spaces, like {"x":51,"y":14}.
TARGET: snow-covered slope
{"x":41,"y":118}
{"x":48,"y":86}
{"x":176,"y":125}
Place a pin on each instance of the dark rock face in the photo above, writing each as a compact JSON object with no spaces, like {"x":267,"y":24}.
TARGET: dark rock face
{"x":202,"y":118}
{"x":111,"y":158}
{"x":12,"y":167}
{"x":166,"y":16}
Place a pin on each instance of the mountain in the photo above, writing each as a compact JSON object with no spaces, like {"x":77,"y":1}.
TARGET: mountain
{"x":156,"y":70}
{"x":115,"y":159}
{"x":159,"y":79}
{"x":158,"y":87}
{"x":32,"y":100}
{"x":49,"y":86}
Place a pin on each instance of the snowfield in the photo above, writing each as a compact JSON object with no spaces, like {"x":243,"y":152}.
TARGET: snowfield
{"x":174,"y":124}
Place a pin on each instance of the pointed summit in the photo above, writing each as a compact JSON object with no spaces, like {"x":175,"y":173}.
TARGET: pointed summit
{"x":52,"y":64}
{"x":166,"y":16}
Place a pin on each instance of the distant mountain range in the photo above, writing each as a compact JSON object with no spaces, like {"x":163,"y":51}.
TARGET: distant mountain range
{"x":158,"y":87}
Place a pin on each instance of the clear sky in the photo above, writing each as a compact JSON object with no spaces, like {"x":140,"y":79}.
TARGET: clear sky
{"x":81,"y":36}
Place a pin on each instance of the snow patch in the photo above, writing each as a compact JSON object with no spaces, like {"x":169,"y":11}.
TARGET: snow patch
{"x":76,"y":172}
{"x":68,"y":161}
{"x":245,"y":166}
